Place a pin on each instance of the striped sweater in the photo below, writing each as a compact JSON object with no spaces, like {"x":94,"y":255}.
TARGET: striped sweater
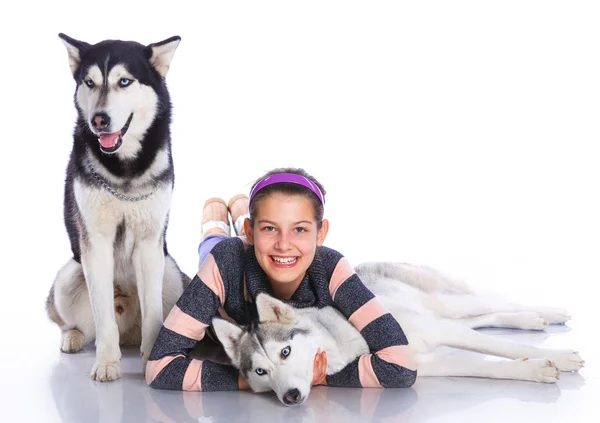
{"x":225,"y":285}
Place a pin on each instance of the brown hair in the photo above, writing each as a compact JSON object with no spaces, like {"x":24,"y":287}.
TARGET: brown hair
{"x":288,"y":188}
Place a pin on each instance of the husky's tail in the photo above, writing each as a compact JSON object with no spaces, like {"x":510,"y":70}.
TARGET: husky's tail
{"x":424,"y":278}
{"x":51,"y":309}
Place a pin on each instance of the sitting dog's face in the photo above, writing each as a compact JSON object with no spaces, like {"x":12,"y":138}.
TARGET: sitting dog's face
{"x":118,"y":88}
{"x":274,"y":354}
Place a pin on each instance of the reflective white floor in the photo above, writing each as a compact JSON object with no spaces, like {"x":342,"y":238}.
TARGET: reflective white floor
{"x":39,"y":383}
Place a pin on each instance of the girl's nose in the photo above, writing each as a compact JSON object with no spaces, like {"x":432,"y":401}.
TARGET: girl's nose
{"x":283,"y":242}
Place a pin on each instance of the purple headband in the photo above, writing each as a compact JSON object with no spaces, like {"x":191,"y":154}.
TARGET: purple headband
{"x":290,"y":178}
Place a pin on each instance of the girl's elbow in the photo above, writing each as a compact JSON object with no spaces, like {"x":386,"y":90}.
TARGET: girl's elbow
{"x":411,"y":379}
{"x":406,"y":378}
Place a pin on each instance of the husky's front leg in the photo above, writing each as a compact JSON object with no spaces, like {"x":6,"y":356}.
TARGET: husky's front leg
{"x":149,"y":262}
{"x":98,"y":269}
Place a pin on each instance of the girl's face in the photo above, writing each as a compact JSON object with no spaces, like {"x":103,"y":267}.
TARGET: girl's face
{"x":285,"y":237}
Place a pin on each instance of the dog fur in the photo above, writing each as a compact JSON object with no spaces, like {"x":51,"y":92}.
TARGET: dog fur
{"x":121,"y":281}
{"x":433,"y":311}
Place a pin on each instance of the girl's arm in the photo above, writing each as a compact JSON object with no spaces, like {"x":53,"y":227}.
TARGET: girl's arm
{"x":169,"y":366}
{"x":389,"y":365}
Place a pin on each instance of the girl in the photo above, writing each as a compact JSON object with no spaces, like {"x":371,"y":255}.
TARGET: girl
{"x":279,"y":250}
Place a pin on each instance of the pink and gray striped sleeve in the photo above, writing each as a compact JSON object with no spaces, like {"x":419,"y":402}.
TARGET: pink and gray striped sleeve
{"x":169,"y":366}
{"x":389,"y":364}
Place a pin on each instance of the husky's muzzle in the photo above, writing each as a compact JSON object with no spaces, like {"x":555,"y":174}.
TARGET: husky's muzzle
{"x":110,"y":142}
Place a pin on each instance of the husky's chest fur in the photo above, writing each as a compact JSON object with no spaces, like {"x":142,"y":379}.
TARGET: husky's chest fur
{"x":125,"y":222}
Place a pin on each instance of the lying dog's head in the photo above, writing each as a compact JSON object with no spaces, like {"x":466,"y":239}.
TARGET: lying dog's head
{"x":120,"y":88}
{"x":274,"y":354}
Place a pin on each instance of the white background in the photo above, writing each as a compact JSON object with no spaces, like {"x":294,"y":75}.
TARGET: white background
{"x":461,"y":135}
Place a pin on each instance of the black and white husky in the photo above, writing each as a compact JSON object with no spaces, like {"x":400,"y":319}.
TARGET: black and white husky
{"x":121,"y":281}
{"x":433,"y":311}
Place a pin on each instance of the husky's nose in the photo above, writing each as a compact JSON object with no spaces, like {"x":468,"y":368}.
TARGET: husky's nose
{"x":292,"y":397}
{"x":100,"y":121}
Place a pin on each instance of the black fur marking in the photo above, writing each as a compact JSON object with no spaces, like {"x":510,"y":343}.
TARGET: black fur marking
{"x":104,"y":88}
{"x":279,"y":333}
{"x":246,"y":359}
{"x":120,"y":235}
{"x":298,"y":331}
{"x":80,"y":45}
{"x":126,"y":126}
{"x":72,"y":216}
{"x":167,"y":41}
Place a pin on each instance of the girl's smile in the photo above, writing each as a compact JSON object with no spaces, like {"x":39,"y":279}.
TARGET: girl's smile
{"x":284,"y":262}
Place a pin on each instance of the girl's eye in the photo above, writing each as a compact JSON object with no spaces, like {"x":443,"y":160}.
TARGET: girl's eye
{"x":268,"y":229}
{"x":125,"y":82}
{"x":260,"y":372}
{"x":286,"y":351}
{"x":89,"y":83}
{"x":300,"y":230}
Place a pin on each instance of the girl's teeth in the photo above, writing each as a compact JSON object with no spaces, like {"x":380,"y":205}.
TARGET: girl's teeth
{"x":284,"y":260}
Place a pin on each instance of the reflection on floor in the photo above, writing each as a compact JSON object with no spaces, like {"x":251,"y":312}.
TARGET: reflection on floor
{"x":79,"y":399}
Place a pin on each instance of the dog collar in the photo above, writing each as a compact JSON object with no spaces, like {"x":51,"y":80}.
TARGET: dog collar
{"x":114,"y":192}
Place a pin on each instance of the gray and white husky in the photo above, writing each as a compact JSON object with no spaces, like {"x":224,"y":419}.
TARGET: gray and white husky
{"x":432,"y":309}
{"x":121,"y":281}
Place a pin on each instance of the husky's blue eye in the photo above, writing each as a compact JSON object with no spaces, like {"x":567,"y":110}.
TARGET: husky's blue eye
{"x":125,"y":82}
{"x":260,"y":372}
{"x":286,"y":351}
{"x":89,"y":83}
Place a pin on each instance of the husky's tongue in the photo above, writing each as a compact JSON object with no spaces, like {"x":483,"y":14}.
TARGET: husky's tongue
{"x":109,"y":140}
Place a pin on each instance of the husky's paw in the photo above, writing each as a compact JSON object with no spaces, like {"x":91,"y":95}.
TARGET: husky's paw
{"x":71,"y":341}
{"x":144,"y":362}
{"x":567,"y":360}
{"x":554,"y":315}
{"x":105,"y":371}
{"x":541,"y":370}
{"x":528,"y":321}
{"x":145,"y":350}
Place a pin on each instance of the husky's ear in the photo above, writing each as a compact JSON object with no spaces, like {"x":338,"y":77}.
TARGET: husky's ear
{"x":272,"y":310}
{"x":74,"y":49}
{"x":229,"y":335}
{"x":160,"y":54}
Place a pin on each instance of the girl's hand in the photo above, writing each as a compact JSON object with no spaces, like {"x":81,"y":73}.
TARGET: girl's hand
{"x":320,"y":369}
{"x":243,"y":385}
